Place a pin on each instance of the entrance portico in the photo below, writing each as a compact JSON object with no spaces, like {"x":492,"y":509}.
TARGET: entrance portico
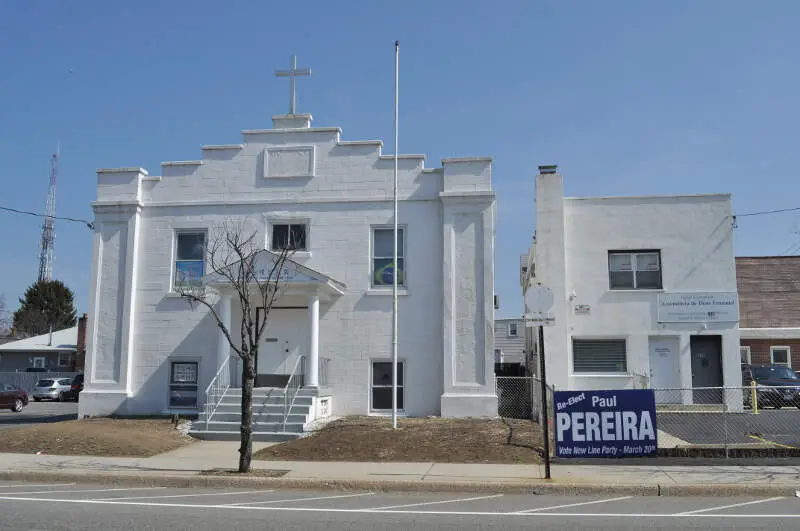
{"x":290,"y":343}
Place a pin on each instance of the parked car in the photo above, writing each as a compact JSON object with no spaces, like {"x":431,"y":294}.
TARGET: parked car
{"x":776,"y":385}
{"x":75,"y":388}
{"x":12,"y":397}
{"x":51,"y":389}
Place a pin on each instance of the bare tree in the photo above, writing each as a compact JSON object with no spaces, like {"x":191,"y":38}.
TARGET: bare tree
{"x":4,"y":318}
{"x":257,"y":278}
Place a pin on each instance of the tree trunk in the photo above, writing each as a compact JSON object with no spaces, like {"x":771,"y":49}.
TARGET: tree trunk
{"x":248,"y":380}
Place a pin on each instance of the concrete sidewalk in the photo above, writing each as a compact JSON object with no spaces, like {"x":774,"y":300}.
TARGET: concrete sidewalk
{"x":186,"y":467}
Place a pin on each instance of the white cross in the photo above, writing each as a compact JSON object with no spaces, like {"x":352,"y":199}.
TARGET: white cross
{"x":291,"y":74}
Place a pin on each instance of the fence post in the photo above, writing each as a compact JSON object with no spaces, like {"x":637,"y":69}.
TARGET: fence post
{"x":754,"y":397}
{"x":725,"y":418}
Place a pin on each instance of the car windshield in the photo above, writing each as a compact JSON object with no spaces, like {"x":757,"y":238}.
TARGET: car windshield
{"x":44,"y":383}
{"x":775,"y":372}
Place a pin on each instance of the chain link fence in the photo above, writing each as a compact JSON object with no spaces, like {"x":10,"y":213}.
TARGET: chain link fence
{"x":741,"y":418}
{"x":710,"y":420}
{"x":27,"y":380}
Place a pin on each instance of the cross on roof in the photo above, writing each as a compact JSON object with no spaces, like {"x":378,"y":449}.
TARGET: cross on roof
{"x":292,"y":73}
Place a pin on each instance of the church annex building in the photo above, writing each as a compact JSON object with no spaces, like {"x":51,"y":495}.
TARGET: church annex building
{"x":150,"y":352}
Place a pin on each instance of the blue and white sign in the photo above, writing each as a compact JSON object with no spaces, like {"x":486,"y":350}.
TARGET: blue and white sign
{"x":605,"y":423}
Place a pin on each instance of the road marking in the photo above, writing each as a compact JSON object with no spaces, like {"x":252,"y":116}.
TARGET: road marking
{"x":88,"y":490}
{"x":301,"y":499}
{"x":528,"y":511}
{"x":767,"y":441}
{"x":36,"y":486}
{"x":395,"y":512}
{"x":698,"y":511}
{"x":432,"y":503}
{"x":188,"y":495}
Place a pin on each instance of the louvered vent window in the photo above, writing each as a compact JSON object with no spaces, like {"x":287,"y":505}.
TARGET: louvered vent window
{"x":599,"y":355}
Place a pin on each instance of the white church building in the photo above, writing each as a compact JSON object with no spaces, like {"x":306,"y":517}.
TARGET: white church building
{"x":150,"y":352}
{"x":644,"y":292}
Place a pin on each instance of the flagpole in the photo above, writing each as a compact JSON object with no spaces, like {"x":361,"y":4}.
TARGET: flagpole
{"x":395,"y":268}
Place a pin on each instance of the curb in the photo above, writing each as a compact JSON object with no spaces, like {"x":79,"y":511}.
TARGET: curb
{"x":536,"y":487}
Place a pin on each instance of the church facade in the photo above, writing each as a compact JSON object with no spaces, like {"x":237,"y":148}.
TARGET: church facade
{"x":150,"y":352}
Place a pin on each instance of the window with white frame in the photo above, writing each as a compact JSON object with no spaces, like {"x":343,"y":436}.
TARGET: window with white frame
{"x":744,"y":354}
{"x":381,"y":386}
{"x":292,"y":236}
{"x":634,"y":269}
{"x":38,"y":363}
{"x":512,"y":329}
{"x":190,"y":258}
{"x":65,"y":359}
{"x":383,"y":256}
{"x":599,"y":356}
{"x":780,"y":356}
{"x":183,"y":384}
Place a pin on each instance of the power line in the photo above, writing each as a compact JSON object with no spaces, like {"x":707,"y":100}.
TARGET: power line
{"x":36,"y":214}
{"x":764,"y":212}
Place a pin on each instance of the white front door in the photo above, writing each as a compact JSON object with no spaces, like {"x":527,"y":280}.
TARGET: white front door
{"x":284,"y":340}
{"x":664,"y":369}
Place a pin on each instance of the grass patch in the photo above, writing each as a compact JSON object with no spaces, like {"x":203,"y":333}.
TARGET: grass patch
{"x":108,"y":437}
{"x":416,"y":440}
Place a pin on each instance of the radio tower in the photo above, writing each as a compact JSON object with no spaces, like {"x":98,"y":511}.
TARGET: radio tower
{"x":48,"y":228}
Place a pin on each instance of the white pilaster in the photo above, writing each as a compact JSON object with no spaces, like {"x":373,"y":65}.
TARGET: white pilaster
{"x":312,"y":369}
{"x":223,"y":347}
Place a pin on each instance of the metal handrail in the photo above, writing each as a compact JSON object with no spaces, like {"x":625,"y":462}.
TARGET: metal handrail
{"x":217,"y":388}
{"x":293,"y":385}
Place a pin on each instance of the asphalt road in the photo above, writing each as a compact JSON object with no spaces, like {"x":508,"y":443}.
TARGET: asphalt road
{"x":96,"y":507}
{"x":773,"y":425}
{"x":38,"y":412}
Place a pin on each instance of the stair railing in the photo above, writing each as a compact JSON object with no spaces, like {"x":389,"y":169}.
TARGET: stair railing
{"x":216,"y":389}
{"x":293,"y":385}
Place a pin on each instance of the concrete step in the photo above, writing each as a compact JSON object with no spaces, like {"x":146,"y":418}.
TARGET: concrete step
{"x":215,"y":425}
{"x":273,"y":400}
{"x":269,"y":417}
{"x":235,"y":436}
{"x":264,"y":409}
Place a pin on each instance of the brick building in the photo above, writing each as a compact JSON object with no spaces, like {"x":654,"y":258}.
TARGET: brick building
{"x":769,"y":309}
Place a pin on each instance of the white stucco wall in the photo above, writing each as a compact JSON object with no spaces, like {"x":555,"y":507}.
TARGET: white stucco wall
{"x":341,"y":189}
{"x":695,"y":237}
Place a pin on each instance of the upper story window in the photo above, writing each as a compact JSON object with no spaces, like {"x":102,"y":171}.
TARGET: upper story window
{"x":190,"y":257}
{"x":634,"y":269}
{"x":383,"y":255}
{"x":512,"y":329}
{"x":291,"y":236}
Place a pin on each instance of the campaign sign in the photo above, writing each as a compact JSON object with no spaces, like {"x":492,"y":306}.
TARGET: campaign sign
{"x":605,"y":423}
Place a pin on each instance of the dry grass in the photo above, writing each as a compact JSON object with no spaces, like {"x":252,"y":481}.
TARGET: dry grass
{"x":415,"y":440}
{"x":96,"y":437}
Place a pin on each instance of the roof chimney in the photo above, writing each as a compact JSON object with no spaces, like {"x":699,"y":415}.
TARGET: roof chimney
{"x":543,"y":170}
{"x":50,"y":337}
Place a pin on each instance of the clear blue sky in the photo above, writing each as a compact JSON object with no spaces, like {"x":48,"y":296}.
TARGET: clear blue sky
{"x":627,"y":98}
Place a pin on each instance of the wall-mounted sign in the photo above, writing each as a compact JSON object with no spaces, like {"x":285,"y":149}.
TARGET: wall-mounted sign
{"x":606,"y":423}
{"x":582,"y":309}
{"x":698,"y":307}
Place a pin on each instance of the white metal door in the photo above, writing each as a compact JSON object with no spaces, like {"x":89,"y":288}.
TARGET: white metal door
{"x":664,"y":368}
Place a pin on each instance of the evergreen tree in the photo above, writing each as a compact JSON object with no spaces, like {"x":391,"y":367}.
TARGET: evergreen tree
{"x":46,"y":304}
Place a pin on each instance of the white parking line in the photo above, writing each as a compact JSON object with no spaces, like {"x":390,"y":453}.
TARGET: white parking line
{"x":301,"y":499}
{"x":401,"y":511}
{"x":87,"y":490}
{"x":36,"y":486}
{"x":698,"y":511}
{"x":189,"y":495}
{"x":432,"y":503}
{"x":538,"y":509}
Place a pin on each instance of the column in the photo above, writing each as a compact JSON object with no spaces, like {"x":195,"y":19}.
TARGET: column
{"x":223,"y":347}
{"x":312,"y":367}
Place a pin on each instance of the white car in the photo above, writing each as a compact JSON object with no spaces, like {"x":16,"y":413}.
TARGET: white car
{"x":51,"y":389}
